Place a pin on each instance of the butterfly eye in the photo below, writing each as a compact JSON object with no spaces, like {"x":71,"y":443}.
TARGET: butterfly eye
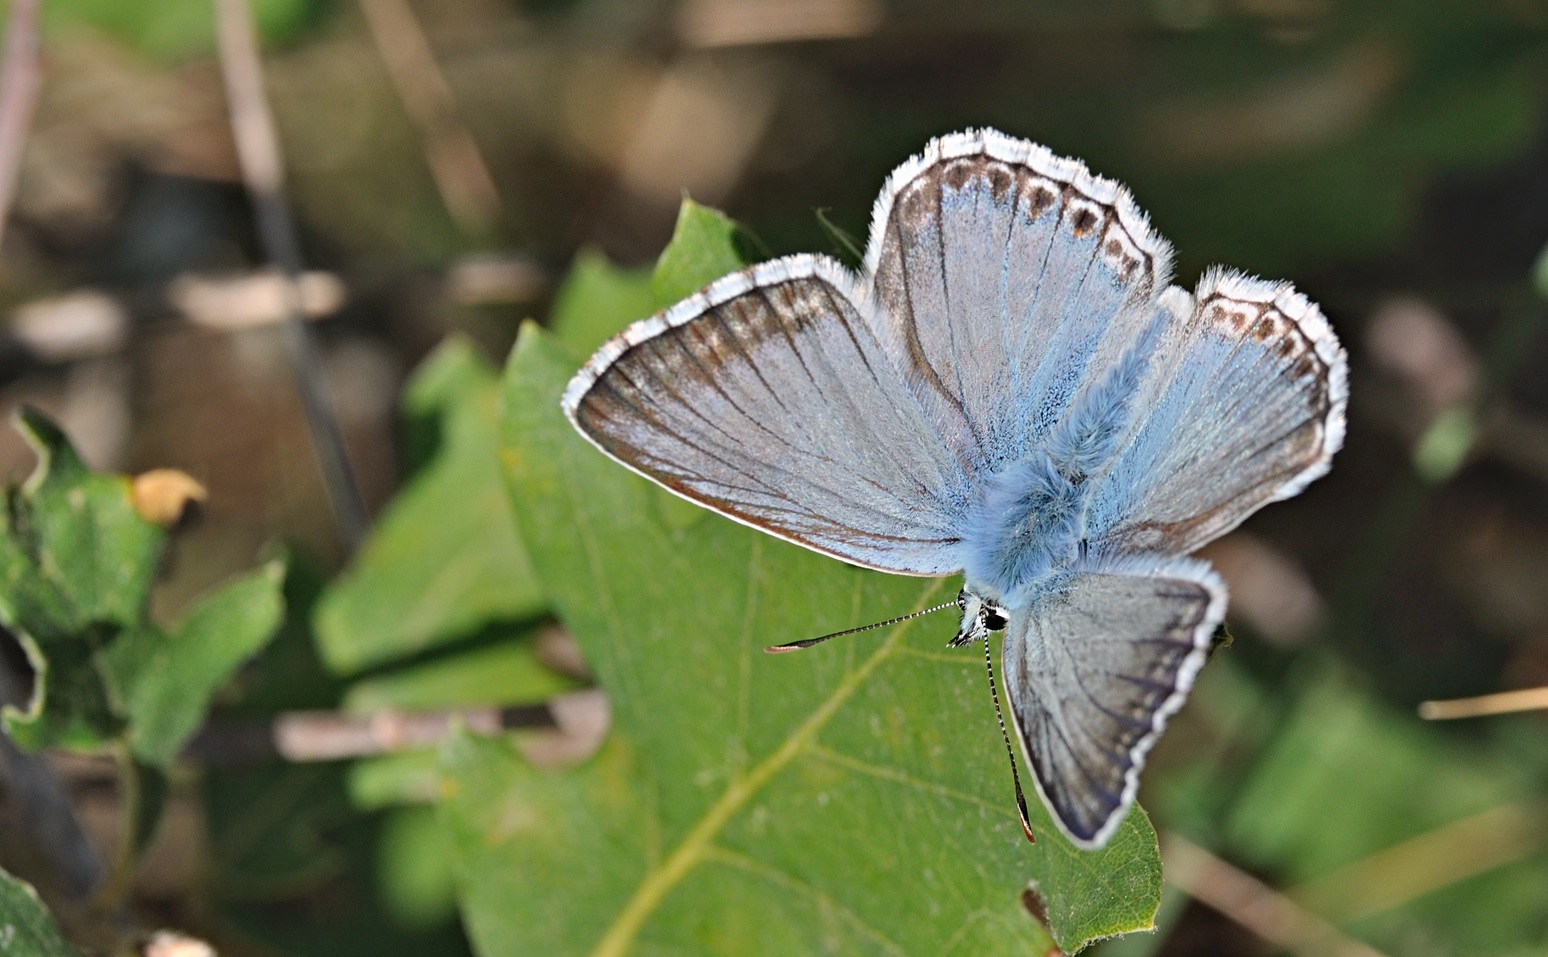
{"x":994,"y":618}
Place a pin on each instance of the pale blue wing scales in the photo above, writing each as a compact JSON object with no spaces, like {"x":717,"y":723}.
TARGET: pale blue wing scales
{"x":1094,"y":668}
{"x":768,"y":398}
{"x":1243,"y":405}
{"x":1004,"y":273}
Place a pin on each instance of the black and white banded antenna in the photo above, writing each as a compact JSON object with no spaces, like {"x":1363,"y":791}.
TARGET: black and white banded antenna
{"x":1021,"y":799}
{"x":808,"y":642}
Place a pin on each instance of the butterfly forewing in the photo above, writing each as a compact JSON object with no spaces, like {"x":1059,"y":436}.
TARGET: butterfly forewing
{"x":1093,"y":670}
{"x":1003,"y":274}
{"x":768,"y":398}
{"x":1244,"y":406}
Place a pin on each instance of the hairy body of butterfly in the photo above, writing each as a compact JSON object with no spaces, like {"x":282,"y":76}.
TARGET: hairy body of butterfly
{"x":1011,"y":390}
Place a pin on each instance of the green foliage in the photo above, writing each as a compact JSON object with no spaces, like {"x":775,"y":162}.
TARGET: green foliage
{"x":169,"y":679}
{"x":444,"y":560}
{"x":77,"y":563}
{"x":416,"y":872}
{"x":594,"y":296}
{"x":1341,"y":788}
{"x":26,"y":929}
{"x":705,"y":246}
{"x":1385,"y":826}
{"x":502,"y":673}
{"x":743,"y":800}
{"x":173,"y":30}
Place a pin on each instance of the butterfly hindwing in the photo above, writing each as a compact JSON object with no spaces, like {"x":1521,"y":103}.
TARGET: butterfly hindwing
{"x":768,"y":398}
{"x":1093,"y":669}
{"x":1004,"y":274}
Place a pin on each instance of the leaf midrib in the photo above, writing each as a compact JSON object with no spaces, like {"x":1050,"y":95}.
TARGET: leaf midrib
{"x":660,"y":880}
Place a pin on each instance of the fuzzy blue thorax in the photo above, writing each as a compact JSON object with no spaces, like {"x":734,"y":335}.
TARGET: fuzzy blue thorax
{"x":1029,"y":519}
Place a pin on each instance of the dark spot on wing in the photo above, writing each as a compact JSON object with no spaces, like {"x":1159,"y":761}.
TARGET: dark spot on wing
{"x":1040,"y":200}
{"x":957,"y":174}
{"x":915,"y":205}
{"x":1001,"y":182}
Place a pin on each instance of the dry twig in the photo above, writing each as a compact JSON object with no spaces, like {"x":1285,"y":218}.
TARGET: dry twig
{"x":580,"y":721}
{"x":461,"y":175}
{"x":263,"y":172}
{"x":1501,"y":702}
{"x":20,"y":78}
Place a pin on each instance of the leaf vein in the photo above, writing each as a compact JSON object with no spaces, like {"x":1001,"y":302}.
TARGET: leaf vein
{"x":661,"y":879}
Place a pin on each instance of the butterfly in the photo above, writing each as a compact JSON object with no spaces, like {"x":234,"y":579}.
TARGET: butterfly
{"x":1010,"y":390}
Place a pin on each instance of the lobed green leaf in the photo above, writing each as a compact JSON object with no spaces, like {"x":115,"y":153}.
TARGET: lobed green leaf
{"x":444,"y":561}
{"x":76,"y":565}
{"x":168,"y":680}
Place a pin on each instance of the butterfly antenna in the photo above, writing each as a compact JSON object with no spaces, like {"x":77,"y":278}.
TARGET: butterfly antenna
{"x":1021,"y":800}
{"x":808,"y":642}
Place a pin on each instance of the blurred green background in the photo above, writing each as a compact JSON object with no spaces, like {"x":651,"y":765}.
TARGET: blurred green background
{"x":458,"y":166}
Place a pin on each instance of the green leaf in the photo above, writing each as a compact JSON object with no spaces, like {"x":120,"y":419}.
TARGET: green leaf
{"x":414,"y":869}
{"x":389,"y":780}
{"x":705,"y":245}
{"x":146,"y":789}
{"x":274,"y":828}
{"x":76,"y":564}
{"x":445,"y":560}
{"x":745,"y":802}
{"x":167,"y":681}
{"x":597,"y":299}
{"x":173,"y":30}
{"x":26,"y":928}
{"x":507,"y":672}
{"x":1381,"y":824}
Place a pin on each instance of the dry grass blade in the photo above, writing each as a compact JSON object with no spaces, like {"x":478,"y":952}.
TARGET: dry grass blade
{"x":1502,"y":702}
{"x":258,"y":149}
{"x":20,"y":78}
{"x":1270,"y":914}
{"x":1426,"y":863}
{"x":461,"y":175}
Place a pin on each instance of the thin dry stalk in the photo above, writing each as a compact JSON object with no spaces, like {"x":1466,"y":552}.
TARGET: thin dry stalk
{"x":20,"y":78}
{"x":1428,"y":862}
{"x":1238,"y":895}
{"x":461,"y":175}
{"x":252,"y":125}
{"x":1502,"y":702}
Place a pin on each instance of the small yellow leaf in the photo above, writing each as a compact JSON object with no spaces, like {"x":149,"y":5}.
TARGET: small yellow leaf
{"x":161,"y":495}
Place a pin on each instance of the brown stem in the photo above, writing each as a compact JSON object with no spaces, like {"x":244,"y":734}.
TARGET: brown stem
{"x":262,"y":171}
{"x":20,"y":78}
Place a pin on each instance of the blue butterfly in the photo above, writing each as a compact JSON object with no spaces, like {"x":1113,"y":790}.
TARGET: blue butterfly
{"x":1010,"y":390}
